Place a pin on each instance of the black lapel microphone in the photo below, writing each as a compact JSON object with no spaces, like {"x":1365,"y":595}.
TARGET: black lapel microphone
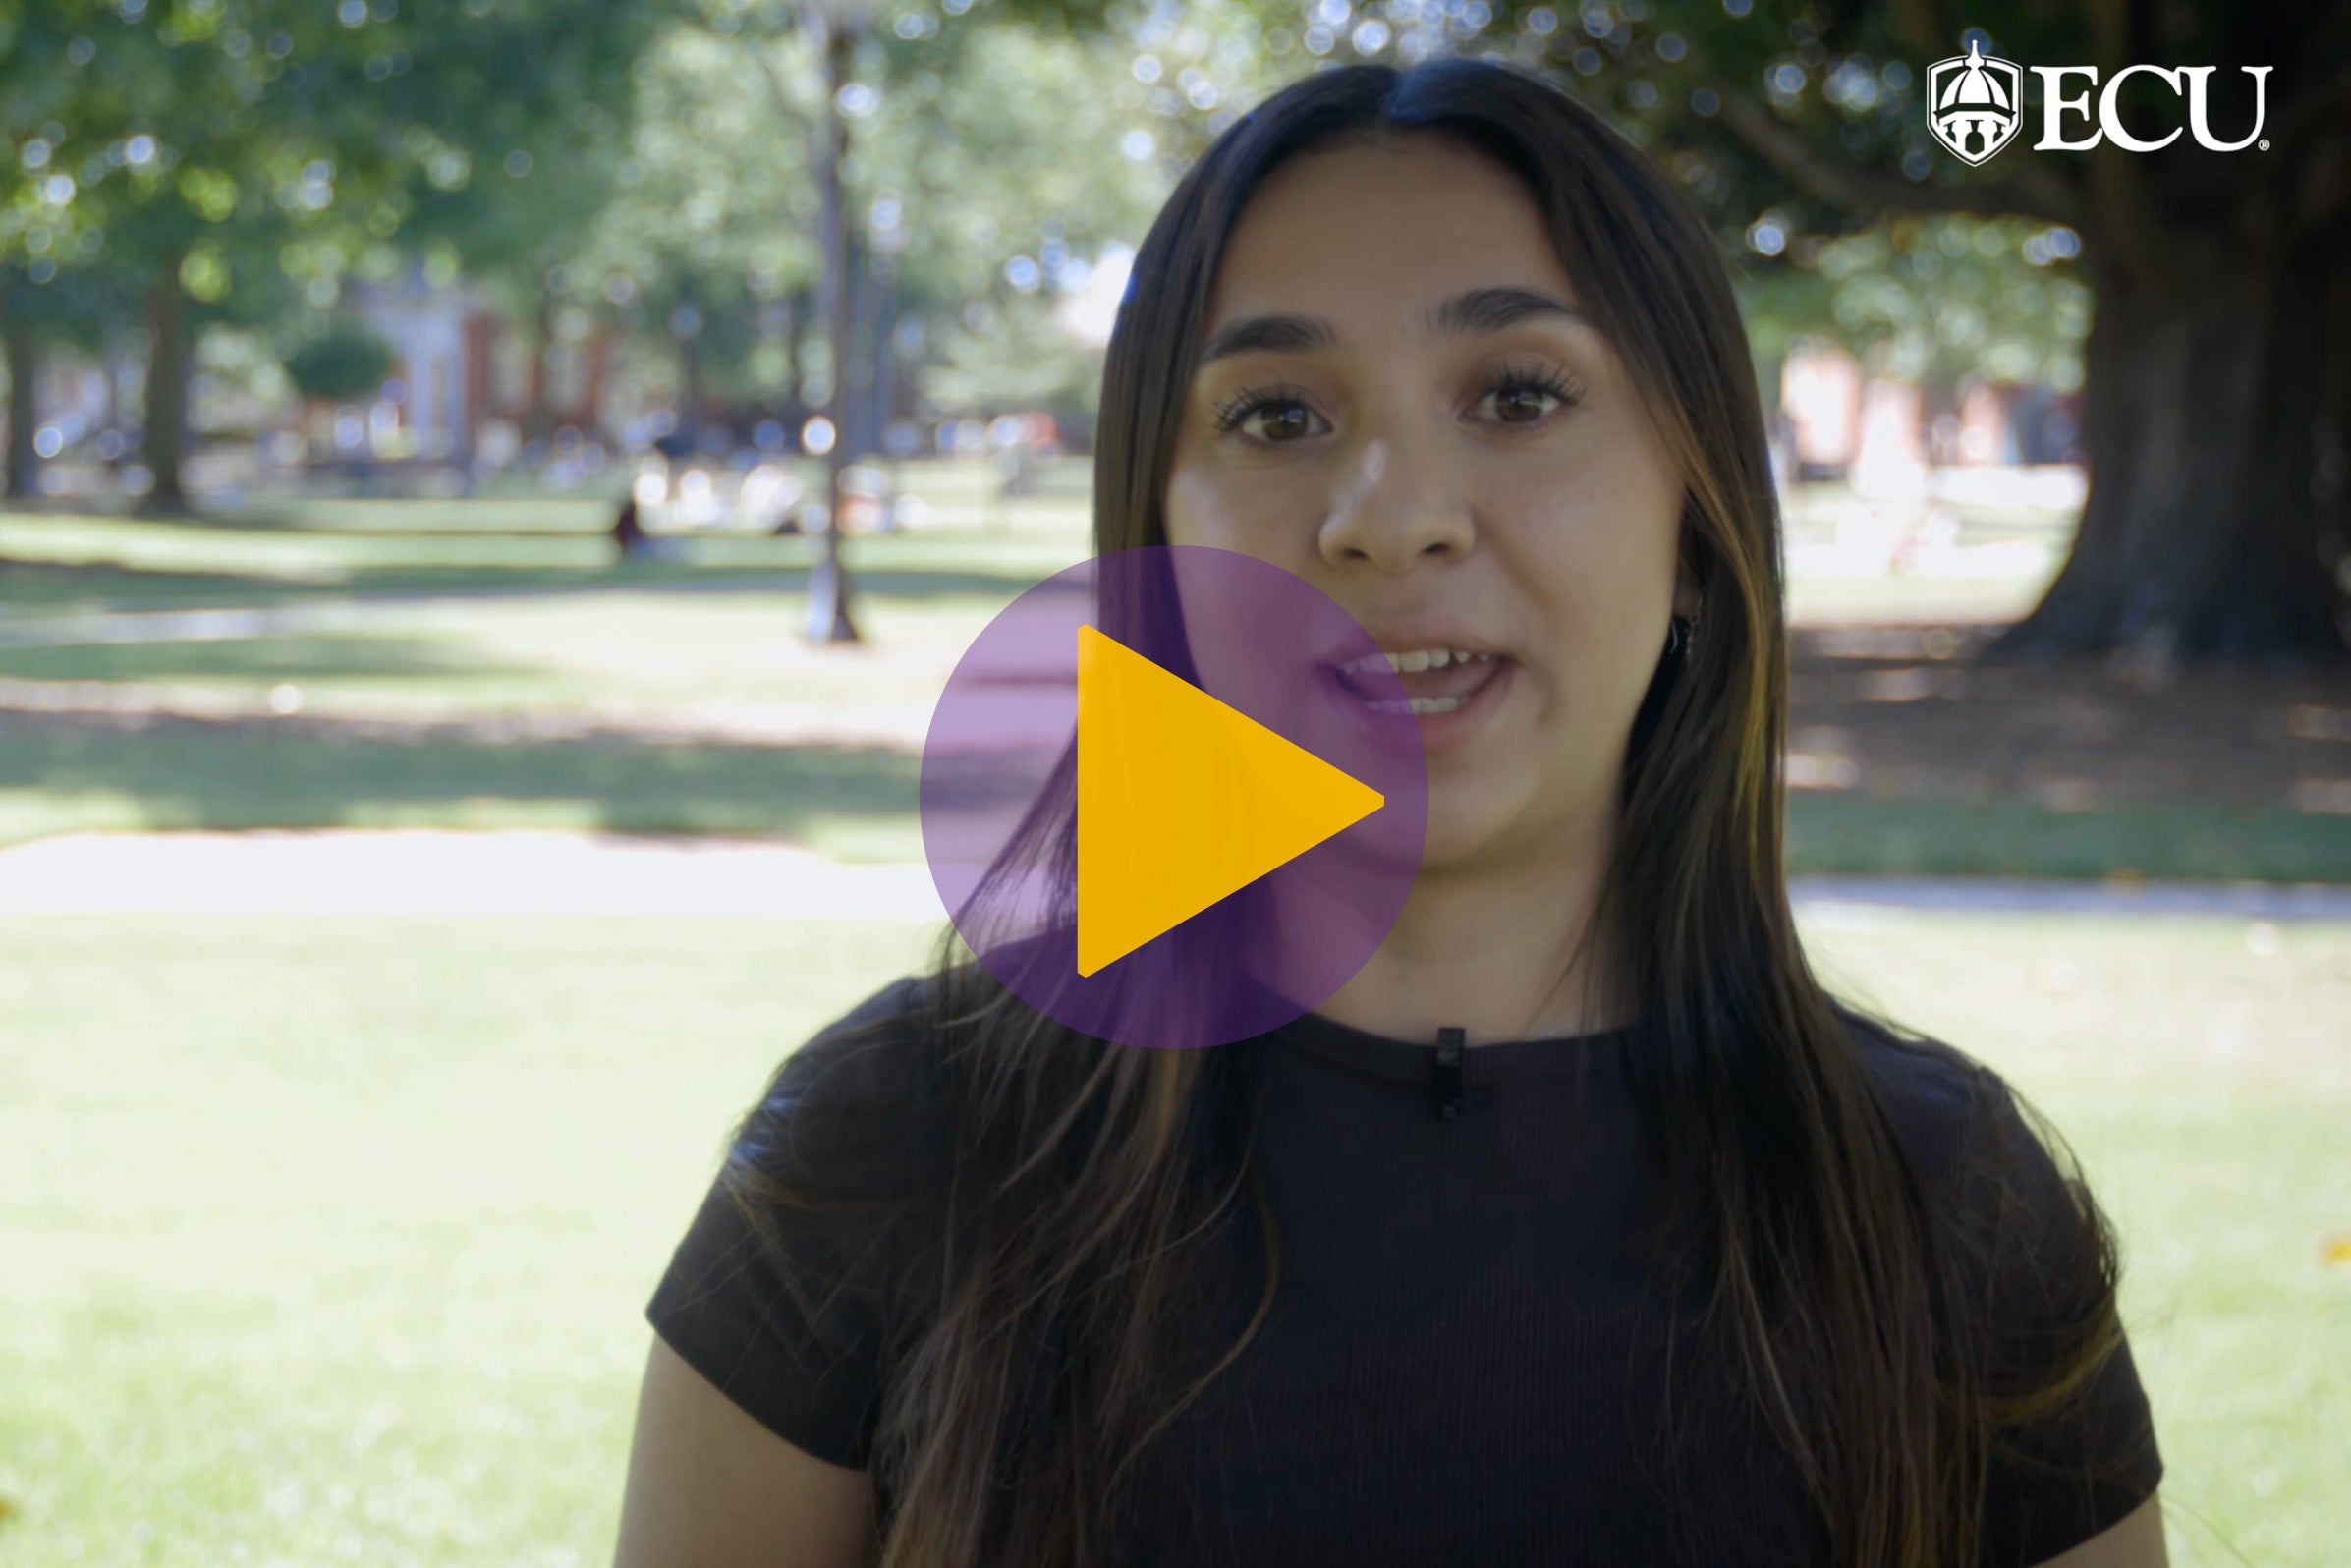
{"x":1445,"y":1088}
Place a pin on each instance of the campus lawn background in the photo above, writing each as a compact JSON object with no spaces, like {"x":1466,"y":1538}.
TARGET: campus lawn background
{"x":315,"y":662}
{"x":327,"y":1238}
{"x":391,"y":608}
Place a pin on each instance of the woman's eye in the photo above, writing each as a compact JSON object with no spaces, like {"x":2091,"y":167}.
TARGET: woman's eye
{"x":1520,"y":405}
{"x":1524,"y":402}
{"x":1284,"y":420}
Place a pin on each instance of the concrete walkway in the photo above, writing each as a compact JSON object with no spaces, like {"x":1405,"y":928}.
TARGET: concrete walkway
{"x":2253,"y":901}
{"x":435,"y":872}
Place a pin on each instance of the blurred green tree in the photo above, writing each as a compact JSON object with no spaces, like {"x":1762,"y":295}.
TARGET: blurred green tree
{"x":1931,"y":299}
{"x":706,"y":246}
{"x":1045,"y":177}
{"x":1015,"y":358}
{"x":342,"y":363}
{"x":214,"y":145}
{"x":887,"y":176}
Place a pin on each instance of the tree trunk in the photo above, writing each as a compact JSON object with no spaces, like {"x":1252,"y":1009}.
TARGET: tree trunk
{"x":24,"y":395}
{"x":2215,"y":410}
{"x":117,"y":360}
{"x":1939,"y":398}
{"x":800,"y":308}
{"x":166,"y":412}
{"x":884,"y":402}
{"x":691,"y":393}
{"x":538,"y":421}
{"x":865,"y":308}
{"x":829,"y":619}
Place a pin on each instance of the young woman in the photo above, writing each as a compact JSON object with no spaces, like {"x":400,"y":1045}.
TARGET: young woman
{"x":1690,"y":1264}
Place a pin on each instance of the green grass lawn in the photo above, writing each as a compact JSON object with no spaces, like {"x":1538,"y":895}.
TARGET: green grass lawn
{"x":326,"y":1239}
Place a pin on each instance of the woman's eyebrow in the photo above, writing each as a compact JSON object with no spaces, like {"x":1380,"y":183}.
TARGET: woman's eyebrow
{"x":1474,"y":312}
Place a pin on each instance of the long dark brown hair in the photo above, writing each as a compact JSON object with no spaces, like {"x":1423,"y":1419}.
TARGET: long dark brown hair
{"x":1038,"y":1356}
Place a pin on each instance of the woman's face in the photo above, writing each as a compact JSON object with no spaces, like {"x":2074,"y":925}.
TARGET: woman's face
{"x":1416,"y":426}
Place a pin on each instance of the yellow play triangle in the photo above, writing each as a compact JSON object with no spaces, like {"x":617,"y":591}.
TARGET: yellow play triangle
{"x":1183,"y":800}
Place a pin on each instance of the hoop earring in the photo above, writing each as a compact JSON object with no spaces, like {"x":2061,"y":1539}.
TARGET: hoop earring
{"x":1681,"y":634}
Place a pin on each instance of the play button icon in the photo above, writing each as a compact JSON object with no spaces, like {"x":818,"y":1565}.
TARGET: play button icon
{"x":1155,"y":810}
{"x":1183,"y":800}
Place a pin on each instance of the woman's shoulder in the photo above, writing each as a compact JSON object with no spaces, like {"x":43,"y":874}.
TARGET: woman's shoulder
{"x":788,"y":1289}
{"x":1987,"y":1159}
{"x":2036,"y":1268}
{"x":861,"y":1108}
{"x":1929,"y":1079}
{"x":1951,"y":1110}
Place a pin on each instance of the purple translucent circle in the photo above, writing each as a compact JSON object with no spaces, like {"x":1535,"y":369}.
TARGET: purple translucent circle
{"x":999,"y":796}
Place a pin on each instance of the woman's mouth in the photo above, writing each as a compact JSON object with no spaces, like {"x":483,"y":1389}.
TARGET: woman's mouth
{"x":1434,"y":681}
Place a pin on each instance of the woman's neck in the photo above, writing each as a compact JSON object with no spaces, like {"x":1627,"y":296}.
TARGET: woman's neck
{"x":1499,"y":951}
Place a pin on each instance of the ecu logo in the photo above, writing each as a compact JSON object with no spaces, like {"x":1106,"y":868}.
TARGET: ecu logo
{"x":1975,"y":104}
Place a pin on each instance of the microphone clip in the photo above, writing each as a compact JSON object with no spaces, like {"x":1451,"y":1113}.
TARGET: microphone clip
{"x":1446,"y":1088}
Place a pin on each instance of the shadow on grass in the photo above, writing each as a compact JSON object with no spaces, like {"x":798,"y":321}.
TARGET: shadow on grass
{"x":1852,"y":835}
{"x":60,"y":775}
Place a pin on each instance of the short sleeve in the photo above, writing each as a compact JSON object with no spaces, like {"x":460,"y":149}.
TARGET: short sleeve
{"x":787,"y":1306}
{"x":2075,"y":1460}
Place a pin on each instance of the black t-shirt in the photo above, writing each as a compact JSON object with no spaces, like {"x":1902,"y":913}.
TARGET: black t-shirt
{"x":1462,"y":1361}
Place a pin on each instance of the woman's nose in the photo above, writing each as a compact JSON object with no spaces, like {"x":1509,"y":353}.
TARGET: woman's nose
{"x":1391,"y":510}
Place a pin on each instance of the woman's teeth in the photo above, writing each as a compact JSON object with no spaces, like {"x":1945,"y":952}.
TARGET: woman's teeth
{"x":1412,"y":663}
{"x":1417,"y":661}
